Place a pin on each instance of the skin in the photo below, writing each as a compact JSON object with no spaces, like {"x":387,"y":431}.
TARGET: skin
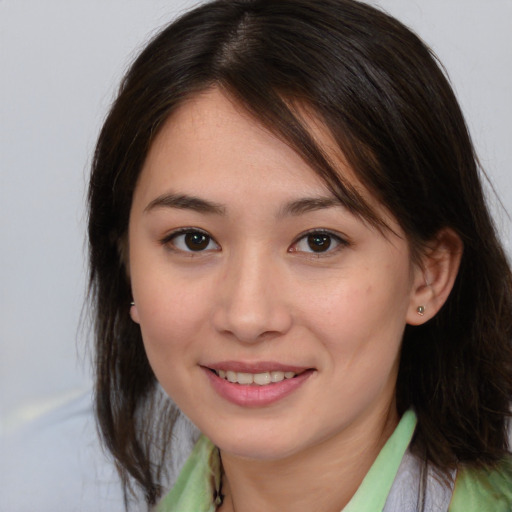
{"x":258,"y":292}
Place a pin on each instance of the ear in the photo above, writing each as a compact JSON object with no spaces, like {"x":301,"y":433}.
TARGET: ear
{"x":134,"y":314}
{"x":434,"y":276}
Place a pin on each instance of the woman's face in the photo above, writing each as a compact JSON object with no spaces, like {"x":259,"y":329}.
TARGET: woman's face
{"x":245,"y":268}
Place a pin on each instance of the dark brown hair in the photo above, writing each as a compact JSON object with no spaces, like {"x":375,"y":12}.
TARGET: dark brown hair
{"x":391,"y":110}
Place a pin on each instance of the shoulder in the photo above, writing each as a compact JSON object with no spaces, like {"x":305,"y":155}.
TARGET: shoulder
{"x":484,"y":489}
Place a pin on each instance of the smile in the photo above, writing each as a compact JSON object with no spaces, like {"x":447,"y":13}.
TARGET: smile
{"x":256,"y":385}
{"x":260,"y":379}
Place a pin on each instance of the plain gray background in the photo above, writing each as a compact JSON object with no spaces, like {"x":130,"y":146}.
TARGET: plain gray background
{"x":60,"y":64}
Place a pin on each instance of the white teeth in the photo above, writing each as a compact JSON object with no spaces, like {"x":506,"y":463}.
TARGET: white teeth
{"x":277,"y":376}
{"x":245,"y":378}
{"x":260,"y":379}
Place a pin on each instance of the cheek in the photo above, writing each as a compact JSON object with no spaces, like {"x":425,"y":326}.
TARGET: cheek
{"x":171,"y":327}
{"x":171,"y":317}
{"x":363,"y":318}
{"x":171,"y":312}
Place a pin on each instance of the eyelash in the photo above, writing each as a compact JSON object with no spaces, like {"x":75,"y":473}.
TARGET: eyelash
{"x":170,"y":242}
{"x":319,"y":233}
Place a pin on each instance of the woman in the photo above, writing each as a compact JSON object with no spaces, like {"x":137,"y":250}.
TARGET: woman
{"x":288,"y":234}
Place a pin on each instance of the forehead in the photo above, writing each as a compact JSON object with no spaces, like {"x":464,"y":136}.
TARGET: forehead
{"x":213,"y":138}
{"x":210,"y":142}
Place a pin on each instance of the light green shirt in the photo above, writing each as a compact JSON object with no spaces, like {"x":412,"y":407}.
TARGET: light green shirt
{"x":475,"y":491}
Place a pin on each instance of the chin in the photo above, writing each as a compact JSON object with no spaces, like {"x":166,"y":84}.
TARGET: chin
{"x":257,"y":450}
{"x":263,"y":443}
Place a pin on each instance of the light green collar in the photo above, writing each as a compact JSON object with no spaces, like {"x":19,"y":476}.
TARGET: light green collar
{"x":198,"y":483}
{"x":375,"y":487}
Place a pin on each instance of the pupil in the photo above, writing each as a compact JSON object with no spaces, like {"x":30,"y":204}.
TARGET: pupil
{"x":196,"y":241}
{"x":319,"y":243}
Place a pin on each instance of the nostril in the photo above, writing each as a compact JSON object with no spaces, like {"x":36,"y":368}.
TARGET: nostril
{"x":261,"y":322}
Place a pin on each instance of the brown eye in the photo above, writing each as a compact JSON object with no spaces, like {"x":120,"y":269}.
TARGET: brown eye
{"x":197,"y":241}
{"x":191,"y":240}
{"x":319,"y":242}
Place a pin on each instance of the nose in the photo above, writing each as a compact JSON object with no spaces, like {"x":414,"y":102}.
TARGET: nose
{"x":251,"y":304}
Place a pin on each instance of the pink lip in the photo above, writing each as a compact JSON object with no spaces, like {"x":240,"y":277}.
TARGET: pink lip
{"x":254,"y":395}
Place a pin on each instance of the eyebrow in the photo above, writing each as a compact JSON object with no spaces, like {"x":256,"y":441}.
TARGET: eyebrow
{"x":309,"y":204}
{"x":185,"y":202}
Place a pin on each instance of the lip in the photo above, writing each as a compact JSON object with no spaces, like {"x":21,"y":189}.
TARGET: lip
{"x":256,"y":367}
{"x":253,"y":395}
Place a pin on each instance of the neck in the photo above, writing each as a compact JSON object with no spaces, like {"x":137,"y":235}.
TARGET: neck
{"x":322,"y":478}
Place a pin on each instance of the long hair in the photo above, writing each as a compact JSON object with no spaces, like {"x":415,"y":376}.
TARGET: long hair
{"x":389,"y":106}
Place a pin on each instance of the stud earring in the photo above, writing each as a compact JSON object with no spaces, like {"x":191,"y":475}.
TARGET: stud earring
{"x":420,"y":310}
